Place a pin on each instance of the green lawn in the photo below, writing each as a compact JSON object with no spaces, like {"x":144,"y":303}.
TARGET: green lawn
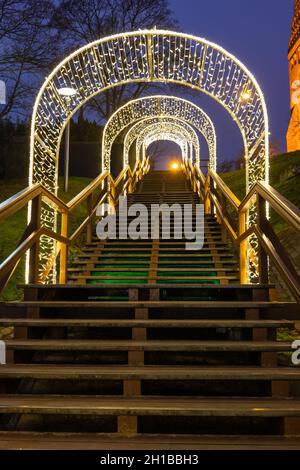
{"x":13,"y":227}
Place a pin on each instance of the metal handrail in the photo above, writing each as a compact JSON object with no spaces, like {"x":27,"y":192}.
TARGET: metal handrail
{"x":259,"y":195}
{"x":37,"y":194}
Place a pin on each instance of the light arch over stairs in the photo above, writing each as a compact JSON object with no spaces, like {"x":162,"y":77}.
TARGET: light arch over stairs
{"x":170,"y":131}
{"x":146,"y":56}
{"x":171,"y":136}
{"x":163,"y":106}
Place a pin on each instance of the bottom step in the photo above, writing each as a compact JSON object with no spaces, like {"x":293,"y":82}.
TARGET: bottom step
{"x":89,"y":441}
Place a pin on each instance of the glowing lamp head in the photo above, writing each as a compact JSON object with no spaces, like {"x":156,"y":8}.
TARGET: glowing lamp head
{"x":174,"y":166}
{"x":67,"y":92}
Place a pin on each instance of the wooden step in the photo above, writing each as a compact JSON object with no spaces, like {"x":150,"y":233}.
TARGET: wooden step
{"x":222,"y":247}
{"x":151,"y":323}
{"x":148,"y":345}
{"x":149,"y":406}
{"x":82,"y":277}
{"x":166,"y":270}
{"x":208,"y":287}
{"x":123,"y":255}
{"x":16,"y":440}
{"x":139,"y":262}
{"x":188,"y":304}
{"x":92,"y":372}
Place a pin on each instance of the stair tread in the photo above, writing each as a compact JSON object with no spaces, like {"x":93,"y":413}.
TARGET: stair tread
{"x":149,"y":304}
{"x":150,"y":286}
{"x":109,"y":372}
{"x":16,"y":440}
{"x":174,"y":278}
{"x":110,"y":263}
{"x":147,"y":345}
{"x":160,"y":323}
{"x":195,"y":406}
{"x":180,"y":270}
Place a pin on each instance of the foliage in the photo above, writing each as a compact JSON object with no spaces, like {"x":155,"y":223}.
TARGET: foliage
{"x":36,"y":34}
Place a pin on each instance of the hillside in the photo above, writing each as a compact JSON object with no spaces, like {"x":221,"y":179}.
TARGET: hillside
{"x":284,"y":176}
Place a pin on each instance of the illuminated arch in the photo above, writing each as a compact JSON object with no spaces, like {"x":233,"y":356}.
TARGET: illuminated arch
{"x":146,"y":56}
{"x":158,"y":106}
{"x":167,"y":131}
{"x":168,"y":135}
{"x":139,"y":127}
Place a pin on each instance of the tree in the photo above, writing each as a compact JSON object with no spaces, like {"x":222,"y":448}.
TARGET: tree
{"x":82,"y":21}
{"x":275,"y":147}
{"x":26,"y":49}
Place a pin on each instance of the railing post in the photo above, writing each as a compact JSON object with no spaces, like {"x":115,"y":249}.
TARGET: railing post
{"x":262,"y":256}
{"x":112,"y":194}
{"x":225,"y":213}
{"x":35,"y":224}
{"x":89,"y":228}
{"x":63,"y":272}
{"x":243,"y":247}
{"x":207,"y":204}
{"x":130,"y":182}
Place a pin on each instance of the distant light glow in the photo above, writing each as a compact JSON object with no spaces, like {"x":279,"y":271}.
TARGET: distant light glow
{"x":174,"y":166}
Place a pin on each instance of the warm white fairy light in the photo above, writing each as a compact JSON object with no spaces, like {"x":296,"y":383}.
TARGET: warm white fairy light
{"x":158,"y":106}
{"x":164,"y":131}
{"x":175,"y":137}
{"x":161,"y":123}
{"x":143,"y":56}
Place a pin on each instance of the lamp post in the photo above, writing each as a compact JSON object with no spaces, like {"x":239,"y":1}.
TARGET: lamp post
{"x":67,"y":93}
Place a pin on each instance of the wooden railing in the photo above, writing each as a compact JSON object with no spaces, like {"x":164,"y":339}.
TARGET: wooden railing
{"x":233,"y":216}
{"x":108,"y":191}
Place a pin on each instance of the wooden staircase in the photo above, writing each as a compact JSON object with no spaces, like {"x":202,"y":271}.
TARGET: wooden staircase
{"x":158,"y":261}
{"x":150,"y":346}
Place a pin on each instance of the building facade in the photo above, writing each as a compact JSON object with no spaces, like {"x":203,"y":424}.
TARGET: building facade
{"x":293,"y":133}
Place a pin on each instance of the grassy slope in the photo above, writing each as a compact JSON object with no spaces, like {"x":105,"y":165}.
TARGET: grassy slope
{"x":13,"y":227}
{"x":280,"y":168}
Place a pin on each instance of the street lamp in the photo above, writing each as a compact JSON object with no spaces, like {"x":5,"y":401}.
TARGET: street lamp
{"x":67,"y":93}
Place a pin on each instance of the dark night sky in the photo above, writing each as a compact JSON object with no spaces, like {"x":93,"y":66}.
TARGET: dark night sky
{"x":256,"y":32}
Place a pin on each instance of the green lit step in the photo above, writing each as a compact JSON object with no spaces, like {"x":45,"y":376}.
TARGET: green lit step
{"x":83,"y":277}
{"x":166,"y":270}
